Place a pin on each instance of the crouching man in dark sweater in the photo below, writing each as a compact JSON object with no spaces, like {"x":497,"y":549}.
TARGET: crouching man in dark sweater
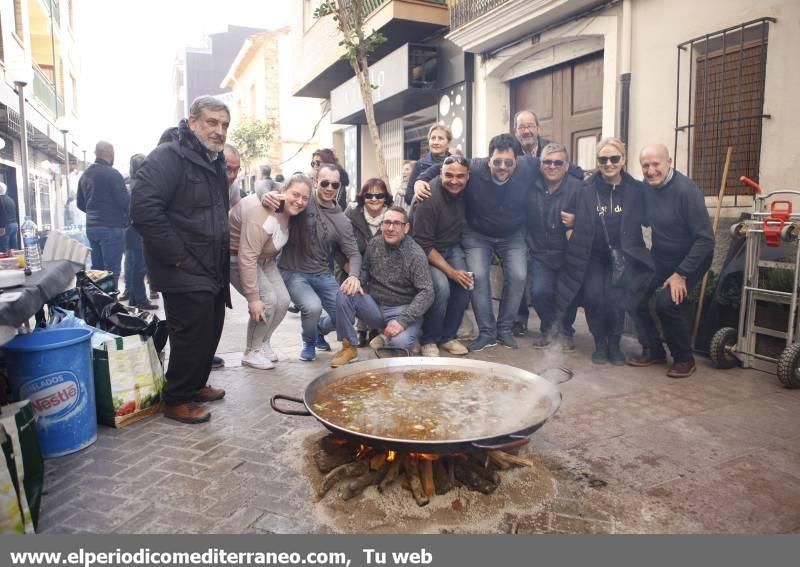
{"x":683,"y":246}
{"x":398,"y":287}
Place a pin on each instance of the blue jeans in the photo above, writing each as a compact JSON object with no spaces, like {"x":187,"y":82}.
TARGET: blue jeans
{"x":513,"y":252}
{"x":449,"y":302}
{"x":543,"y":292}
{"x":134,"y":276}
{"x":9,"y":239}
{"x":375,"y":316}
{"x":107,"y":246}
{"x":311,"y":293}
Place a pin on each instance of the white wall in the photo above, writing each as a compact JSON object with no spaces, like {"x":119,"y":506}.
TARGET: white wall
{"x":658,"y":28}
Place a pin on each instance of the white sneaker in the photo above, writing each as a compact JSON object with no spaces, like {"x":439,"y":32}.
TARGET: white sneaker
{"x":430,"y":350}
{"x":378,"y":342}
{"x":256,"y":359}
{"x":453,"y":347}
{"x":266,"y":348}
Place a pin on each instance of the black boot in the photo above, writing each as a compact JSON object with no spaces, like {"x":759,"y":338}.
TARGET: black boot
{"x":362,"y":339}
{"x":615,"y":355}
{"x":600,"y":354}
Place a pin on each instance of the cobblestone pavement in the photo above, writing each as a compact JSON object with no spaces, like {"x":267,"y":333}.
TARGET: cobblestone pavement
{"x":630,"y":450}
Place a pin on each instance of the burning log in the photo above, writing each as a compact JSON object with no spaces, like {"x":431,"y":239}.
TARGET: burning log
{"x":426,"y":476}
{"x":415,"y":483}
{"x":499,"y":461}
{"x":441,"y":478}
{"x":482,"y":468}
{"x":340,"y":472}
{"x":510,"y":459}
{"x":357,"y":486}
{"x":377,"y":461}
{"x":392,"y":472}
{"x":334,"y":453}
{"x":472,"y":479}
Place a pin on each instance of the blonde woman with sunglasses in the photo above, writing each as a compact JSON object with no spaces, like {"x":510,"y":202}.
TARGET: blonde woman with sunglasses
{"x":606,"y":218}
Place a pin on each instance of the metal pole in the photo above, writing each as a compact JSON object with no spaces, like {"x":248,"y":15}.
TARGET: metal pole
{"x":66,"y":176}
{"x":23,"y":140}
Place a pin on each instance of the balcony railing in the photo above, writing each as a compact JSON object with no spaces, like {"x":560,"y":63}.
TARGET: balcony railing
{"x":372,"y":5}
{"x":45,"y":92}
{"x":463,"y":12}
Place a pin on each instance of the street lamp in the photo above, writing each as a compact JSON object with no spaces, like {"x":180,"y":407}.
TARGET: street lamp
{"x":63,"y":125}
{"x":21,"y":74}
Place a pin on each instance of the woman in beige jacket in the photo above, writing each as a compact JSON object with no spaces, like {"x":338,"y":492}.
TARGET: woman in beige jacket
{"x":257,"y":235}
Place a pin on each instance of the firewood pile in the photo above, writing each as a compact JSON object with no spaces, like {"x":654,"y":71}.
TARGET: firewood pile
{"x":355,"y":467}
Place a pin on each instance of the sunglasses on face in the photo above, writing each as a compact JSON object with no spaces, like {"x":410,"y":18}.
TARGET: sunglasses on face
{"x":315,"y":163}
{"x":374,"y":196}
{"x":602,"y":160}
{"x":324,"y":184}
{"x":393,"y":223}
{"x":497,"y":162}
{"x":552,"y":162}
{"x":460,"y":160}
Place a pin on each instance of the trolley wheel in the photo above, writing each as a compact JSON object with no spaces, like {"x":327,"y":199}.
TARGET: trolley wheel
{"x":789,"y":366}
{"x":721,"y":349}
{"x":737,"y":230}
{"x":789,"y":233}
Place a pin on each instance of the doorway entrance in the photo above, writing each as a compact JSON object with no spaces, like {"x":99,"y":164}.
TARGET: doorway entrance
{"x":568,"y":99}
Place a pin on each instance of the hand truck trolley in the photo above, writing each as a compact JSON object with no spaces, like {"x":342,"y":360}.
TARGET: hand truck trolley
{"x":760,"y":342}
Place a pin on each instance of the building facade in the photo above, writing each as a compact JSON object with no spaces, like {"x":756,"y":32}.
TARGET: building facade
{"x":420,"y":79}
{"x":259,"y":80}
{"x":38,"y":39}
{"x":644,"y":71}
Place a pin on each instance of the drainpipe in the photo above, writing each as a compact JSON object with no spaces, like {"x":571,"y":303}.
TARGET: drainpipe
{"x":625,"y":75}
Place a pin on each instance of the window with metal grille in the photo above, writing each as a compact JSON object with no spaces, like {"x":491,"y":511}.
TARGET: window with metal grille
{"x":720,"y":105}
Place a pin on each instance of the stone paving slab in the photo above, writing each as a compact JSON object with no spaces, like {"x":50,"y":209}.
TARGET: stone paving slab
{"x":630,"y":449}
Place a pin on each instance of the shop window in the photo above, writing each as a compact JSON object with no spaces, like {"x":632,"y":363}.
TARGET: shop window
{"x":721,"y":104}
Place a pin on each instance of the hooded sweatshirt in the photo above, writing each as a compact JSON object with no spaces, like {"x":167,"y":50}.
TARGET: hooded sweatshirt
{"x":326,"y":226}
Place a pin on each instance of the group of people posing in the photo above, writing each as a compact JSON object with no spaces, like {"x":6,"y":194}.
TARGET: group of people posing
{"x":376,"y":278}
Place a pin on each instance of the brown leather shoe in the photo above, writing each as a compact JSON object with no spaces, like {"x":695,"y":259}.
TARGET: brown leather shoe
{"x":647,"y":358}
{"x":209,"y":394}
{"x":187,"y":413}
{"x":682,"y":369}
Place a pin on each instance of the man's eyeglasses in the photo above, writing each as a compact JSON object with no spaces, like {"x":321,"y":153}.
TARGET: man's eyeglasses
{"x":497,"y":162}
{"x":527,"y":127}
{"x":393,"y":223}
{"x":602,"y":160}
{"x":460,"y":160}
{"x":324,"y":184}
{"x":374,"y":196}
{"x":315,"y":163}
{"x":552,"y":162}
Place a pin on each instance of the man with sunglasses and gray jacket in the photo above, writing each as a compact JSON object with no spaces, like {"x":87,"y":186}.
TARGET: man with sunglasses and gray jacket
{"x":308,"y":278}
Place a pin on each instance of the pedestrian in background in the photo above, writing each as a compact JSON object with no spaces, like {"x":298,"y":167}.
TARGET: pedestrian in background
{"x":103,"y":197}
{"x":135,"y":268}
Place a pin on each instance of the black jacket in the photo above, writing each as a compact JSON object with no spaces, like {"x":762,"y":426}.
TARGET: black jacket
{"x":638,"y":263}
{"x":179,"y":205}
{"x":546,"y":236}
{"x":103,"y":197}
{"x":420,"y":165}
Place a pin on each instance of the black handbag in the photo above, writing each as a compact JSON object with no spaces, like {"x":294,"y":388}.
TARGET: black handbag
{"x":617,"y":257}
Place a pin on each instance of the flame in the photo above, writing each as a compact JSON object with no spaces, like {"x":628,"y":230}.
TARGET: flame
{"x":362,"y":450}
{"x":426,"y":456}
{"x":391,"y":456}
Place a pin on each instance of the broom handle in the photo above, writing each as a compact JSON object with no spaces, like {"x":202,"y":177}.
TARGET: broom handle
{"x":717,"y":214}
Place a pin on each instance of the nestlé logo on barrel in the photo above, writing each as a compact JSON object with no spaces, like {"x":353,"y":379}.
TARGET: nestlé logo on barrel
{"x":54,"y":395}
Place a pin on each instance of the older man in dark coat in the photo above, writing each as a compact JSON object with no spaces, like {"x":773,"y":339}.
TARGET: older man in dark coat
{"x":180,"y":207}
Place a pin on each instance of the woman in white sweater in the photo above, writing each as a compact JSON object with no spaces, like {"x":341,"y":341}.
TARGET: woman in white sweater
{"x":257,"y":234}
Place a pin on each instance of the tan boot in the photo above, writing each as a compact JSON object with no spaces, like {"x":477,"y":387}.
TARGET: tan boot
{"x":186,"y":413}
{"x":348,"y":354}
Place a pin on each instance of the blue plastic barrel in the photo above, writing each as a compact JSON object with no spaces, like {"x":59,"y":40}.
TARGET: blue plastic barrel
{"x":53,"y":369}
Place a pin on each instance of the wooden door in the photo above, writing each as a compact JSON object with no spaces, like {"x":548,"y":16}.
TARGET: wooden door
{"x":568,"y":99}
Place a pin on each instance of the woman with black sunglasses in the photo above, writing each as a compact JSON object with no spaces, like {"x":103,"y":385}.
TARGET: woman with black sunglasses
{"x":607,"y":217}
{"x":372,"y":202}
